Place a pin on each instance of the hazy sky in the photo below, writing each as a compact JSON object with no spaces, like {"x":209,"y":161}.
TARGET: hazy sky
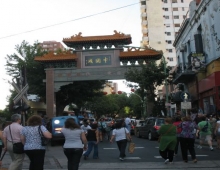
{"x":46,"y":20}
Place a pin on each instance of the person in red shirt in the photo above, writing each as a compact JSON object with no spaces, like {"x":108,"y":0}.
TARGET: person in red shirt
{"x":179,"y":129}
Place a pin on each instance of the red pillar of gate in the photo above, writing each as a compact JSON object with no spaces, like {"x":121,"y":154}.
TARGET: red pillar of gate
{"x":50,"y":95}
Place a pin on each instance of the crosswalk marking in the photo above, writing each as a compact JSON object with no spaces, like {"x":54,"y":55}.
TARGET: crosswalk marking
{"x":132,"y":158}
{"x":117,"y":148}
{"x":188,"y":155}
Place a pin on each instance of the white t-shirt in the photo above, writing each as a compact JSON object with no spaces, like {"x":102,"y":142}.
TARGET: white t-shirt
{"x":72,"y":138}
{"x":127,"y":120}
{"x":120,"y":133}
{"x":85,"y":128}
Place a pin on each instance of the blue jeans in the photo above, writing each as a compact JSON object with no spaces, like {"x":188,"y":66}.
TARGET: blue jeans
{"x":129,"y":128}
{"x":92,"y":144}
{"x":73,"y":156}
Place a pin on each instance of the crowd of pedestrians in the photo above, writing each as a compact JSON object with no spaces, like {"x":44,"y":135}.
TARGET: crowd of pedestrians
{"x":182,"y":131}
{"x":178,"y":132}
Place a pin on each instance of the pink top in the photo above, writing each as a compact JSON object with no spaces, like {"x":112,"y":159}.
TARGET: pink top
{"x":15,"y":132}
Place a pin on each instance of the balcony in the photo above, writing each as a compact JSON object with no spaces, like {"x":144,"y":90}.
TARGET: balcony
{"x":145,"y":39}
{"x":144,"y":14}
{"x":183,"y":73}
{"x":145,"y":31}
{"x":143,"y":7}
{"x":144,"y":22}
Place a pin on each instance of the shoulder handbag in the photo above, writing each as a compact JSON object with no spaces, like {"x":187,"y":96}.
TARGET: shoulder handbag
{"x":18,"y":147}
{"x":44,"y":141}
{"x":165,"y":133}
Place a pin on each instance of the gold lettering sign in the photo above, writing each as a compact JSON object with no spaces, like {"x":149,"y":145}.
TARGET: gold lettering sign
{"x":98,"y":60}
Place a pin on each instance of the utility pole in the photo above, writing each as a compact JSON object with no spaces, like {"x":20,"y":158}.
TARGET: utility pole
{"x":166,"y":87}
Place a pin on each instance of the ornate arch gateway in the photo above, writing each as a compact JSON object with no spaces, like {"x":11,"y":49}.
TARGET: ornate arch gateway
{"x":91,"y":58}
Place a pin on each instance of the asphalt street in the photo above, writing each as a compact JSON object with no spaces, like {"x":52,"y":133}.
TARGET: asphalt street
{"x":146,"y":156}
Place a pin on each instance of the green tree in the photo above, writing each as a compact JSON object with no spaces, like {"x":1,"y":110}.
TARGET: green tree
{"x":34,"y":71}
{"x":147,"y":78}
{"x":78,"y":92}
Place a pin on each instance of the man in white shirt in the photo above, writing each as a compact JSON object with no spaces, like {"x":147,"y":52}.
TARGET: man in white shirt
{"x":128,"y":123}
{"x":85,"y":127}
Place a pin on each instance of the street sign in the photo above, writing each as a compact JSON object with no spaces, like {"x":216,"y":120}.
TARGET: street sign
{"x":186,"y":105}
{"x":21,"y":93}
{"x":185,"y":96}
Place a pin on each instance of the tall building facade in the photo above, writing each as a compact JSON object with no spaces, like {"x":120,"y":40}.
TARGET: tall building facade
{"x":52,"y":46}
{"x":161,"y":20}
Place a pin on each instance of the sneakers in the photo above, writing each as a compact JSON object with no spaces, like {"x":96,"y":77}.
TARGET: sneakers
{"x":166,"y":161}
{"x":195,"y":161}
{"x":199,"y":147}
{"x":211,"y":148}
{"x":121,"y":158}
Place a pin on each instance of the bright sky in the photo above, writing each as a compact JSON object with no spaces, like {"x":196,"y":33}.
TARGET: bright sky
{"x":46,"y":20}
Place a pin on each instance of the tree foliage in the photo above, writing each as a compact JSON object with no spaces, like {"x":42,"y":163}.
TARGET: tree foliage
{"x":79,"y":92}
{"x":114,"y":104}
{"x":35,"y":73}
{"x":147,"y":78}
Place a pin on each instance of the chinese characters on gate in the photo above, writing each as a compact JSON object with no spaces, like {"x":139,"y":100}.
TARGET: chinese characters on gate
{"x":99,"y":60}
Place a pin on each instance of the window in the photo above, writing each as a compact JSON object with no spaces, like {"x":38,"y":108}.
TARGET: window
{"x":143,"y":2}
{"x":167,"y":25}
{"x":183,"y":9}
{"x":184,"y":16}
{"x":151,"y":122}
{"x":171,"y":58}
{"x":165,"y":1}
{"x":165,"y":9}
{"x":170,"y":50}
{"x":55,"y":45}
{"x":177,"y":25}
{"x":166,"y":17}
{"x":174,"y":1}
{"x":44,"y":45}
{"x":169,"y":42}
{"x":176,"y":17}
{"x":175,"y":9}
{"x":182,"y":1}
{"x":168,"y":33}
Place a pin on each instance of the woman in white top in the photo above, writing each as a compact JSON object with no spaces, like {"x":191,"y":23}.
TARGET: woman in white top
{"x":121,"y":134}
{"x":217,"y":133}
{"x":73,"y":148}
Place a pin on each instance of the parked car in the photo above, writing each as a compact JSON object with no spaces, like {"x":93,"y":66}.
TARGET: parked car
{"x":55,"y":125}
{"x":138,"y":123}
{"x":149,"y":128}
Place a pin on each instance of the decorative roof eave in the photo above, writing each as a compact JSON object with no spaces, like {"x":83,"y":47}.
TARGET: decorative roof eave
{"x":53,"y":57}
{"x":138,"y":54}
{"x":117,"y":36}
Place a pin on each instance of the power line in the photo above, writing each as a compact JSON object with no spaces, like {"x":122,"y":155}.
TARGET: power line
{"x":92,"y":15}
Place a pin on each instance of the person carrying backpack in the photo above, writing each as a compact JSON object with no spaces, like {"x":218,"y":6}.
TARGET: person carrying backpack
{"x":205,"y":133}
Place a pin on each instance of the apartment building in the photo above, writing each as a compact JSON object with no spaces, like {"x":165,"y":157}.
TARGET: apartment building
{"x":161,"y":20}
{"x":52,"y":46}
